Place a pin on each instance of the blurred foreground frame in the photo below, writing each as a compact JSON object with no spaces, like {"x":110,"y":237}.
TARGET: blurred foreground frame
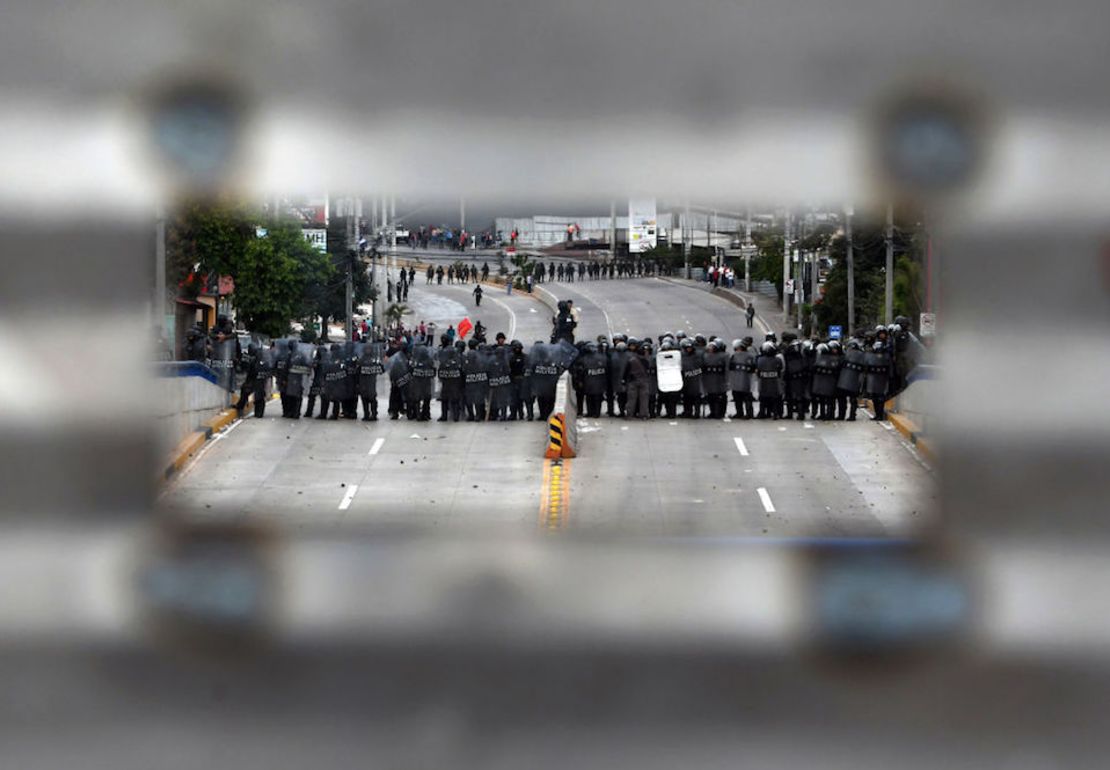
{"x":984,"y":645}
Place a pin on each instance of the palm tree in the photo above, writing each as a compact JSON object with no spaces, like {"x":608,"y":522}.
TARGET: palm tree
{"x":395,"y":312}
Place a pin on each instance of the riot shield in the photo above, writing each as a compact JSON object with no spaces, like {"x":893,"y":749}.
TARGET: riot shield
{"x":618,"y":362}
{"x":222,"y":361}
{"x":300,"y":369}
{"x":370,"y":364}
{"x":320,"y":362}
{"x":668,"y":371}
{"x":400,"y":372}
{"x":423,"y":371}
{"x":499,"y":380}
{"x":450,"y":373}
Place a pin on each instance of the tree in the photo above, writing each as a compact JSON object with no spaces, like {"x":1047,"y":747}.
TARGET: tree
{"x":329,"y":299}
{"x":395,"y":312}
{"x":277,"y":279}
{"x":869,"y":242}
{"x":205,"y":237}
{"x":767,"y":264}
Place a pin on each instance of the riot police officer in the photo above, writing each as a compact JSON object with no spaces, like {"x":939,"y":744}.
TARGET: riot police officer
{"x":849,"y":380}
{"x":769,"y":367}
{"x":691,"y":380}
{"x":741,"y":365}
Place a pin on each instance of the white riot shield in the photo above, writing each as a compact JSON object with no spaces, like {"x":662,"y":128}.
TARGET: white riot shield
{"x":668,"y":371}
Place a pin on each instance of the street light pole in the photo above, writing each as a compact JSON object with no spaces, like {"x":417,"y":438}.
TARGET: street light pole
{"x":851,"y":264}
{"x":889,"y":263}
{"x":686,"y":235}
{"x":160,"y":275}
{"x":746,"y":246}
{"x":352,"y":250}
{"x":786,"y":294}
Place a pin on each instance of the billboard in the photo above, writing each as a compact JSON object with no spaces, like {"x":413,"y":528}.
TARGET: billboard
{"x":642,"y":225}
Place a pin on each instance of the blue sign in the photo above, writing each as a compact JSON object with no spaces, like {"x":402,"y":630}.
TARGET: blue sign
{"x":835,"y":332}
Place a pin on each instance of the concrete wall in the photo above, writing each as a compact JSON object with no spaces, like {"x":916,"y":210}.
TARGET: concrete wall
{"x":918,"y":403}
{"x":182,"y":402}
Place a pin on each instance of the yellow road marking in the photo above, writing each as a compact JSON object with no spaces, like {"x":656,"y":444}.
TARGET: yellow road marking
{"x":555,"y":495}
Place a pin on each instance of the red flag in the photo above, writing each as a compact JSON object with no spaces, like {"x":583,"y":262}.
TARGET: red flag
{"x":464,"y":328}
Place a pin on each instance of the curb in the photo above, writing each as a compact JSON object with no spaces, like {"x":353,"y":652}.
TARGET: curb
{"x":192,"y":443}
{"x":911,"y":434}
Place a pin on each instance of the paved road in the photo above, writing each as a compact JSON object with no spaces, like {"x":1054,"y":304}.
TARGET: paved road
{"x":660,"y":478}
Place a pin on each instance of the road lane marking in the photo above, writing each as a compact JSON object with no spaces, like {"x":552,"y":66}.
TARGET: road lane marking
{"x":807,"y":425}
{"x":766,"y":500}
{"x":377,"y":447}
{"x":740,"y":445}
{"x":347,"y":498}
{"x":512,"y":317}
{"x":555,"y":495}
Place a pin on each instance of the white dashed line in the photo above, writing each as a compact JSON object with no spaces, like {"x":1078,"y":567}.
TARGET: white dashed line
{"x":377,"y":447}
{"x":347,"y":498}
{"x":740,"y":445}
{"x":807,"y":425}
{"x":766,"y":500}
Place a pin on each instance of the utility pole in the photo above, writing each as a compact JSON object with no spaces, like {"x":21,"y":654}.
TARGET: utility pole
{"x":685,"y":241}
{"x":612,"y":229}
{"x":746,"y":247}
{"x":159,"y":306}
{"x":814,"y":283}
{"x":462,"y":213}
{"x":393,"y":230}
{"x":851,"y":263}
{"x":786,"y":293}
{"x":352,"y":251}
{"x":713,"y":244}
{"x":889,"y":263}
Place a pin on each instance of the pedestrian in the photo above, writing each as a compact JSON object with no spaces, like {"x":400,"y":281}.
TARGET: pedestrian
{"x":477,"y":296}
{"x":749,"y":314}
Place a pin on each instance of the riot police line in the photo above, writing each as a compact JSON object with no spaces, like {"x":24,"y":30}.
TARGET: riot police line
{"x":471,"y":380}
{"x":630,"y":377}
{"x":785,"y":379}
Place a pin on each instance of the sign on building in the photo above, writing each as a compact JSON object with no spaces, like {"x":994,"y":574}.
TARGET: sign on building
{"x":836,"y":332}
{"x":642,"y":225}
{"x":318,"y":237}
{"x":928,"y":324}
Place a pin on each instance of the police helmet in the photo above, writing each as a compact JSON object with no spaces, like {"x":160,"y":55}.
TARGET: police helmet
{"x":878,"y":346}
{"x":699,"y":340}
{"x":680,"y":335}
{"x":768,"y":348}
{"x":472,"y":344}
{"x":667,"y":344}
{"x":460,"y":345}
{"x":516,"y":345}
{"x":444,"y":340}
{"x":686,"y":344}
{"x":834,"y":346}
{"x":621,"y":346}
{"x":591,"y":347}
{"x":822,"y":348}
{"x":737,"y":344}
